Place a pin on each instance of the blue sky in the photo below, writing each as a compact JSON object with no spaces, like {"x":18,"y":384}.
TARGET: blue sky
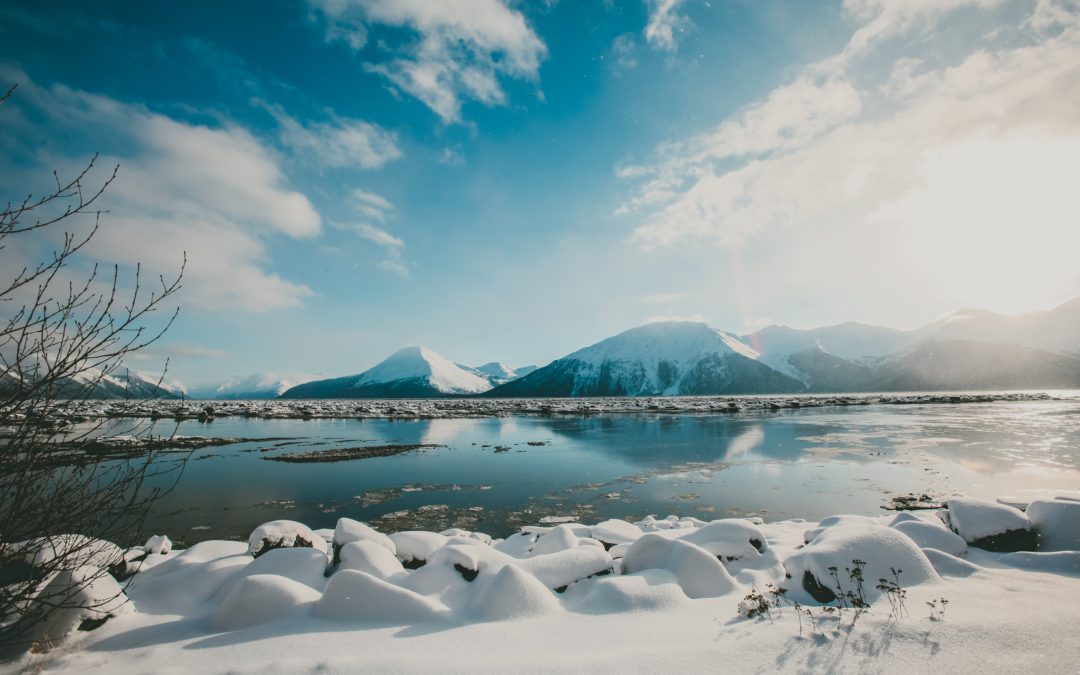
{"x":503,"y":180}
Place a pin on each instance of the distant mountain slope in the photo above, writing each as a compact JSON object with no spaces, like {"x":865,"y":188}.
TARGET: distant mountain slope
{"x":966,"y":364}
{"x":497,"y":373}
{"x":119,"y":385}
{"x":252,"y":387}
{"x":1053,"y":330}
{"x":668,"y":358}
{"x":412,"y":372}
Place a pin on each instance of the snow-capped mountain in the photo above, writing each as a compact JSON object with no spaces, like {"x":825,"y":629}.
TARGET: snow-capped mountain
{"x":1053,"y":330}
{"x":498,"y":373}
{"x":412,"y":372}
{"x":252,"y":387}
{"x":667,"y":358}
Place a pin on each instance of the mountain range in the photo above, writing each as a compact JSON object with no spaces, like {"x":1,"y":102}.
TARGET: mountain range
{"x":970,"y":349}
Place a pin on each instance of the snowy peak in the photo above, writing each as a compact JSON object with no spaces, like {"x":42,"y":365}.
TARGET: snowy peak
{"x":498,"y":373}
{"x":666,"y":358}
{"x":420,"y":363}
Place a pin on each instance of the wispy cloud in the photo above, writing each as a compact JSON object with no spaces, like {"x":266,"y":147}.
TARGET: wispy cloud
{"x":665,"y":23}
{"x":378,"y":207}
{"x":215,"y":192}
{"x":337,"y":143}
{"x":462,"y":47}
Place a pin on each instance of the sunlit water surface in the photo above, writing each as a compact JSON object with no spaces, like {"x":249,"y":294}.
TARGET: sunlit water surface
{"x":789,"y":464}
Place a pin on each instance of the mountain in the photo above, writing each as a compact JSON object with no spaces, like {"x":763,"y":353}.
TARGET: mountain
{"x":850,"y":342}
{"x":92,"y":384}
{"x":252,"y":387}
{"x":498,"y":373}
{"x":413,"y":372}
{"x":667,"y":358}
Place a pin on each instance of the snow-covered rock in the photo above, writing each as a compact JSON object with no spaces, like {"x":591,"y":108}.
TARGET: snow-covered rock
{"x":1057,"y":522}
{"x":69,"y":551}
{"x":303,"y":565}
{"x":611,"y":532}
{"x":882,"y":549}
{"x":262,"y":598}
{"x":928,"y":535}
{"x":283,"y":534}
{"x":349,"y":530}
{"x":647,"y":590}
{"x":989,"y":525}
{"x":159,"y":544}
{"x":414,"y":547}
{"x":78,"y":597}
{"x":698,"y":572}
{"x":948,"y":565}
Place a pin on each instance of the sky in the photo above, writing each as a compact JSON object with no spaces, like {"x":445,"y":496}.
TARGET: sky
{"x":512,"y":180}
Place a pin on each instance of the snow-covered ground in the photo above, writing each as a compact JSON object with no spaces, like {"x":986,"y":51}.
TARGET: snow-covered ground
{"x":659,"y":595}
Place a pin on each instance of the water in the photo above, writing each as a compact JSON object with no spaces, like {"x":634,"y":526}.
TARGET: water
{"x":806,"y":464}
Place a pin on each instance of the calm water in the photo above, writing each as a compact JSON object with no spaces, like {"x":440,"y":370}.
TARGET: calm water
{"x":808,"y":464}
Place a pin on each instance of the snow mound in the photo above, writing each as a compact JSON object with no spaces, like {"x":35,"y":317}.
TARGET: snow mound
{"x":647,"y":590}
{"x":698,"y":572}
{"x":559,"y":570}
{"x":190,"y":578}
{"x":371,"y":557}
{"x":989,"y":525}
{"x":303,"y":565}
{"x":73,"y":550}
{"x":262,"y":598}
{"x":561,"y":538}
{"x":414,"y":547}
{"x":882,"y":549}
{"x":349,"y":530}
{"x":77,"y":595}
{"x":512,"y":594}
{"x":928,"y":535}
{"x":949,"y":565}
{"x":832,"y":521}
{"x":357,"y":596}
{"x":159,"y":544}
{"x":731,"y":539}
{"x":283,"y":534}
{"x":1058,"y":523}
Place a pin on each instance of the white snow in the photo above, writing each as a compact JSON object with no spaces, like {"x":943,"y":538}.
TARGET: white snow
{"x":660,"y":600}
{"x":420,"y":362}
{"x":349,"y":530}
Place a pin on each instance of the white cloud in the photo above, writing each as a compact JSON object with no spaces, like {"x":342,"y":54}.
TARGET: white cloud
{"x":396,"y":266}
{"x":370,"y":204}
{"x":461,"y":50}
{"x":341,"y":142}
{"x":215,"y":193}
{"x":665,"y":23}
{"x":379,"y":236}
{"x":946,"y":179}
{"x":377,"y":206}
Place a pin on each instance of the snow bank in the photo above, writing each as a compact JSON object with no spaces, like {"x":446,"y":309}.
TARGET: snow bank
{"x":836,"y":549}
{"x":283,"y":534}
{"x":698,"y":572}
{"x":1057,"y":522}
{"x":84,"y":594}
{"x":989,"y":525}
{"x":303,"y":565}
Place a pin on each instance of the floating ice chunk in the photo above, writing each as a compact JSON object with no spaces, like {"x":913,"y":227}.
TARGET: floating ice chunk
{"x":698,"y":572}
{"x":927,"y":535}
{"x":348,"y":530}
{"x":612,"y":532}
{"x":1058,"y":523}
{"x":262,"y":598}
{"x":159,"y":544}
{"x":948,"y":565}
{"x":512,"y":593}
{"x":880,"y":548}
{"x":989,"y":525}
{"x":358,"y":596}
{"x":371,"y":557}
{"x":416,"y":546}
{"x":283,"y":534}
